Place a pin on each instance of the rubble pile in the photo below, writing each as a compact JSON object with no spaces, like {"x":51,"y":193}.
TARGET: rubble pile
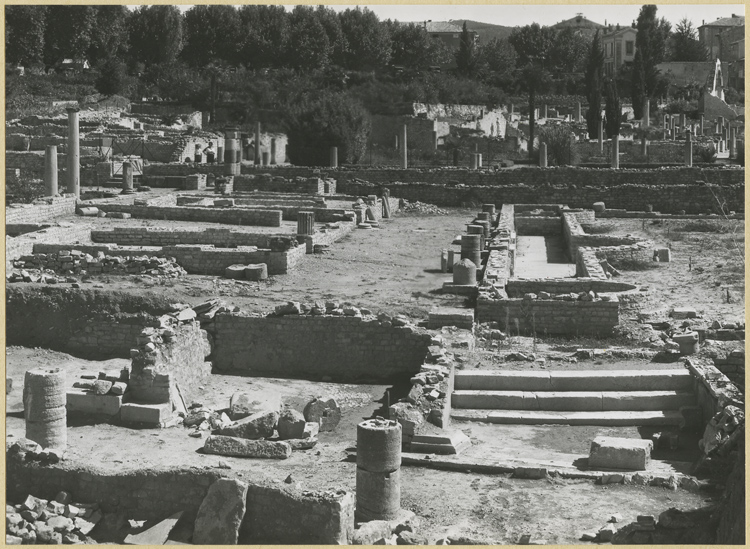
{"x":418,"y":207}
{"x":42,"y":522}
{"x":75,"y":262}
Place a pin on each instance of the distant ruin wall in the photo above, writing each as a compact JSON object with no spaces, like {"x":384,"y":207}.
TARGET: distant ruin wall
{"x":234,"y":216}
{"x":345,"y":349}
{"x":45,"y":210}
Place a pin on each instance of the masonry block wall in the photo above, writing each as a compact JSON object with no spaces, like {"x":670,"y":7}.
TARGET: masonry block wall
{"x":517,"y":287}
{"x":549,"y":316}
{"x":346,"y":349}
{"x":233,"y":216}
{"x":41,"y":211}
{"x":148,"y":236}
{"x":274,"y":515}
{"x":538,"y":225}
{"x":69,"y":319}
{"x":588,"y":265}
{"x":275,"y":183}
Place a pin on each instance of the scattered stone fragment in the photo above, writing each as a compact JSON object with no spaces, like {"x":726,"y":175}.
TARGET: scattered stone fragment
{"x":291,"y":424}
{"x":260,"y":425}
{"x":370,"y":532}
{"x":233,"y":446}
{"x":324,"y":411}
{"x":221,"y":513}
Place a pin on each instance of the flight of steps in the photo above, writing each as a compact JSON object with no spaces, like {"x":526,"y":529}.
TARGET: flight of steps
{"x":584,"y":397}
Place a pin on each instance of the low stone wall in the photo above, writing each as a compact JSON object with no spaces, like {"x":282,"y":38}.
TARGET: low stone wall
{"x":549,"y":316}
{"x":268,"y":182}
{"x":42,"y":210}
{"x":274,"y":515}
{"x":149,"y":236}
{"x":228,"y":216}
{"x":517,"y":287}
{"x":342,"y":348}
{"x":714,"y":390}
{"x":195,"y":259}
{"x":88,"y":323}
{"x":588,"y":265}
{"x":733,"y":366}
{"x":537,"y":225}
{"x":576,"y":237}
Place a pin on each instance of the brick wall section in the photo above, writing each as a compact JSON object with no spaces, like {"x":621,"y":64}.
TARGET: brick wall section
{"x":575,"y":237}
{"x":24,"y":244}
{"x":195,"y":259}
{"x":45,"y":210}
{"x":108,"y":338}
{"x":713,"y":389}
{"x":147,"y":236}
{"x":346,"y":349}
{"x":549,"y":316}
{"x":587,"y":264}
{"x":733,"y":366}
{"x":228,"y":216}
{"x":274,"y":515}
{"x":541,"y":225}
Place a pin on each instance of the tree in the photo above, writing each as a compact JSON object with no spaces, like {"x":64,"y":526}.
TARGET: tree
{"x":532,"y":42}
{"x":612,"y":110}
{"x":112,"y":77}
{"x":330,"y":120}
{"x":264,"y":32}
{"x":560,"y":147}
{"x":109,"y":36}
{"x":568,"y":51}
{"x":211,"y":35}
{"x":309,"y":47}
{"x":412,"y":47}
{"x":369,"y":42}
{"x":498,"y":60}
{"x":650,"y":45}
{"x":24,"y":33}
{"x":535,"y":79}
{"x":68,"y":32}
{"x":684,"y":44}
{"x":466,"y":58}
{"x":331,"y":22}
{"x":594,"y":78}
{"x":156,"y":34}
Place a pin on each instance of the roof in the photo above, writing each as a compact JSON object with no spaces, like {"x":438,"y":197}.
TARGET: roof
{"x":734,"y":21}
{"x":577,"y":22}
{"x":623,"y":30}
{"x":442,"y":26}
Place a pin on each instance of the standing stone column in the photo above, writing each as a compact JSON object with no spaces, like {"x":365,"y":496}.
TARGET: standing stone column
{"x":44,"y":407}
{"x":306,"y":223}
{"x":732,"y":141}
{"x":644,"y":146}
{"x":683,"y":121}
{"x":378,"y":470}
{"x":273,"y":150}
{"x":50,"y":170}
{"x":647,"y":113}
{"x":543,"y":155}
{"x":264,"y":158}
{"x":127,"y":178}
{"x":231,"y":151}
{"x":404,"y":149}
{"x":578,"y":111}
{"x":701,"y":123}
{"x":334,"y":157}
{"x":544,"y":111}
{"x":220,"y":152}
{"x":471,"y":248}
{"x":601,"y":135}
{"x":257,"y":143}
{"x":434,"y":140}
{"x":688,"y":149}
{"x":479,"y":160}
{"x":673,"y":131}
{"x":74,"y":153}
{"x":616,"y":152}
{"x":473,"y":164}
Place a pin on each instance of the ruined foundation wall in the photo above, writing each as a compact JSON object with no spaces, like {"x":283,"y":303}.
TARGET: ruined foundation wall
{"x":235,"y":216}
{"x":43,"y":211}
{"x":346,"y":349}
{"x":86,"y":323}
{"x":549,"y":316}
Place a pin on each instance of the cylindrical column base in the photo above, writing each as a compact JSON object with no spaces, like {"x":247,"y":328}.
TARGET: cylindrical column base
{"x":127,"y":178}
{"x":489,"y":208}
{"x":305,"y":222}
{"x":471,"y":248}
{"x":379,"y":445}
{"x":44,"y":407}
{"x":465,"y":273}
{"x":378,"y":495}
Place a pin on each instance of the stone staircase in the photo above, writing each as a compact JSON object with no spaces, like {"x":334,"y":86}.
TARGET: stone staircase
{"x":584,"y":397}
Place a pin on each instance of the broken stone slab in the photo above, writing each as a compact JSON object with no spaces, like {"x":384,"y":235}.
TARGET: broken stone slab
{"x":291,"y":424}
{"x":156,"y":535}
{"x":221,"y":513}
{"x":303,"y":443}
{"x":408,"y":416}
{"x":452,"y":443}
{"x":102,"y":387}
{"x":620,"y":453}
{"x":606,"y":533}
{"x":186,"y":315}
{"x":242,"y":405}
{"x":324,"y":411}
{"x":530,"y":472}
{"x":233,"y":446}
{"x":260,"y":425}
{"x":681,"y":313}
{"x":370,"y":532}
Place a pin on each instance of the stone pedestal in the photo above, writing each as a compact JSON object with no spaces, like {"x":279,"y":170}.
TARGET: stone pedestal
{"x":127,"y":178}
{"x":50,"y":170}
{"x":44,"y":407}
{"x":378,"y":470}
{"x":305,"y":223}
{"x":465,"y":273}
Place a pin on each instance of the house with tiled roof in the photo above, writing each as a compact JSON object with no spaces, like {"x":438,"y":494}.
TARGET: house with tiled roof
{"x":709,"y":34}
{"x":580,"y":25}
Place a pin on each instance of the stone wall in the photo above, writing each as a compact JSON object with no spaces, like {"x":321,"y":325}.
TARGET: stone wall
{"x":228,"y":216}
{"x":267,"y":182}
{"x":549,"y":316}
{"x":538,"y":225}
{"x":714,"y":390}
{"x":733,"y":366}
{"x":342,"y":348}
{"x":195,"y":259}
{"x":274,"y":515}
{"x":150,"y":236}
{"x":517,"y":287}
{"x":42,"y":210}
{"x":106,"y":338}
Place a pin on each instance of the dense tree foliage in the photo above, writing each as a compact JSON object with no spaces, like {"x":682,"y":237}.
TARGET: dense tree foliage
{"x":612,"y":110}
{"x":684,"y":44}
{"x":24,"y":34}
{"x":650,"y":50}
{"x":156,"y":34}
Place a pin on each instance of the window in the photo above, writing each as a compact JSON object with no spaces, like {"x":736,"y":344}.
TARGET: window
{"x":611,"y":49}
{"x":629,"y":47}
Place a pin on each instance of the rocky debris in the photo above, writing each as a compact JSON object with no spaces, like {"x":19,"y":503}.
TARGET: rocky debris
{"x":324,"y":411}
{"x":418,"y":207}
{"x":258,"y":425}
{"x":242,"y":405}
{"x":303,"y":443}
{"x":221,"y":513}
{"x":240,"y":447}
{"x":38,"y":521}
{"x":291,"y":424}
{"x":75,"y":262}
{"x":29,"y":450}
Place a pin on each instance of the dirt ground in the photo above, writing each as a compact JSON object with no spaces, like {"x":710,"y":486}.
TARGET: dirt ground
{"x":395,"y":269}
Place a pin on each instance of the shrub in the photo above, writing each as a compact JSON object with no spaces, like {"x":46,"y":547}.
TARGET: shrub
{"x":561,"y":150}
{"x":23,"y":190}
{"x":706,"y":152}
{"x":113,"y":78}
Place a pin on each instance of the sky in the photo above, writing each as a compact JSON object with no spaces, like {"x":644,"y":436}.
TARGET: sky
{"x":544,"y":14}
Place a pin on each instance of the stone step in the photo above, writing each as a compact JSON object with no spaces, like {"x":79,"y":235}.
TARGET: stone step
{"x":607,"y":419}
{"x":575,"y":380}
{"x":573,"y":401}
